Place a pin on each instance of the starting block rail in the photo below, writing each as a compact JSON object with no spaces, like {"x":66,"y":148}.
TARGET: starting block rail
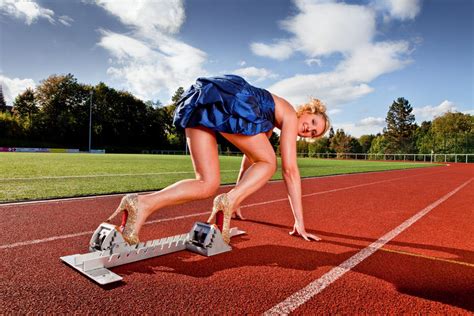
{"x":108,"y":249}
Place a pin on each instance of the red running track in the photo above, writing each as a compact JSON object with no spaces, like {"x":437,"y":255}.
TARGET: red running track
{"x":426,"y":268}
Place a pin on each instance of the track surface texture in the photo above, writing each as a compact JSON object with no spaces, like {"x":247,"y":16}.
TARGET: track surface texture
{"x":377,"y":254}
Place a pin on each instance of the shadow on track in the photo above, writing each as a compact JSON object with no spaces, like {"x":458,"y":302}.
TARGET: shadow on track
{"x":433,"y":280}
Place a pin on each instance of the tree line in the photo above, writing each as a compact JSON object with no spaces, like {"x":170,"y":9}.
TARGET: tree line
{"x":56,"y":114}
{"x":452,"y":132}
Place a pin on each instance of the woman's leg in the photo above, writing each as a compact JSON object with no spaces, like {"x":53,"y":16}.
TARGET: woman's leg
{"x":246,"y":163}
{"x":203,"y":148}
{"x":260,"y":152}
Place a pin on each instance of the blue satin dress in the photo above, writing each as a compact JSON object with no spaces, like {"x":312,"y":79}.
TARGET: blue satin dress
{"x":226,"y":104}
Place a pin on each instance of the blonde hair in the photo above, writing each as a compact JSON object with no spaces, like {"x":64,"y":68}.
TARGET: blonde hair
{"x":315,"y":106}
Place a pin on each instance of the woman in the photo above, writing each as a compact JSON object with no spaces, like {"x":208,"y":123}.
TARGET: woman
{"x":245,"y":116}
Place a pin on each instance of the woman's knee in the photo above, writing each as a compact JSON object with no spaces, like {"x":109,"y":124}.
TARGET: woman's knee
{"x":208,"y":188}
{"x":270,"y":161}
{"x":273,"y":164}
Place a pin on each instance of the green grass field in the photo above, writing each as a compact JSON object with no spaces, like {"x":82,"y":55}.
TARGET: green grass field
{"x":32,"y":176}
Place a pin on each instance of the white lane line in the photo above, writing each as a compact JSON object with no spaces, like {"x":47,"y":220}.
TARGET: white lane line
{"x":104,"y":175}
{"x":302,"y":296}
{"x":57,"y":200}
{"x":37,"y":241}
{"x":60,"y":200}
{"x":172,"y":172}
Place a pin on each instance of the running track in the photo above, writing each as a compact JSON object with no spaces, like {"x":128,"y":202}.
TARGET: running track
{"x":393,"y":242}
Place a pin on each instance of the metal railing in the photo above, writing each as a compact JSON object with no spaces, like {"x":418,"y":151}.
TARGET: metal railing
{"x":432,"y":158}
{"x":465,"y":158}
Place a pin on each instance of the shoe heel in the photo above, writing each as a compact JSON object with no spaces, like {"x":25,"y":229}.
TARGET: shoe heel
{"x":220,"y":220}
{"x":114,"y":214}
{"x":120,"y":208}
{"x":222,"y":212}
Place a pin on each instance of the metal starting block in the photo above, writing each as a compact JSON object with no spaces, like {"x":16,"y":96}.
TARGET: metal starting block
{"x":108,"y":249}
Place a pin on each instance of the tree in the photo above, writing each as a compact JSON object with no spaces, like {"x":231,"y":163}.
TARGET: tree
{"x":331,"y":134}
{"x":365,"y":142}
{"x":177,"y":95}
{"x":64,"y":105}
{"x":302,"y":146}
{"x":320,"y":145}
{"x":10,"y":127}
{"x":400,"y":127}
{"x":3,"y":104}
{"x":379,"y":145}
{"x":275,"y":140}
{"x":175,"y":137}
{"x":453,"y":132}
{"x":341,"y":143}
{"x":24,"y":105}
{"x":424,"y":138}
{"x":354,"y":145}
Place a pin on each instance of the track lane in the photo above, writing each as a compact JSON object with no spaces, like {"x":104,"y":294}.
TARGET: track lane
{"x":394,"y":282}
{"x":261,"y":269}
{"x":38,"y":221}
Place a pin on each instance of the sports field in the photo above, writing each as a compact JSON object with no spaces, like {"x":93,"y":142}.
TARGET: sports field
{"x":31,"y":176}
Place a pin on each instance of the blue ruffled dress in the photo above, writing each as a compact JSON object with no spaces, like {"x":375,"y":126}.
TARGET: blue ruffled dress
{"x":226,"y":104}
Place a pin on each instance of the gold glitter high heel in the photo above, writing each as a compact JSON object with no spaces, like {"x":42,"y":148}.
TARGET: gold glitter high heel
{"x":129,"y":206}
{"x":222,"y":211}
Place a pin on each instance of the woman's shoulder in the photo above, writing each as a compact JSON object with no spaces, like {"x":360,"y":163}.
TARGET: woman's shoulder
{"x":284,"y":111}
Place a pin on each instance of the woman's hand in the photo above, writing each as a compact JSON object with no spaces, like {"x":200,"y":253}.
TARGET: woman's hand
{"x":238,"y":215}
{"x":300,"y":231}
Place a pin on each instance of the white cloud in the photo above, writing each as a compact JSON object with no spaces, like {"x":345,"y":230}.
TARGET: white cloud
{"x":124,"y":47}
{"x":312,"y":61}
{"x":146,"y":69}
{"x":151,"y":58}
{"x":280,"y":50}
{"x":12,"y":87}
{"x":29,"y":11}
{"x":323,"y":28}
{"x":65,"y":20}
{"x":148,"y":16}
{"x":242,"y":63}
{"x":429,"y":112}
{"x":334,"y":111}
{"x":332,"y":88}
{"x":259,"y":74}
{"x":372,"y":121}
{"x":399,"y":9}
{"x":370,"y":61}
{"x":368,"y":125}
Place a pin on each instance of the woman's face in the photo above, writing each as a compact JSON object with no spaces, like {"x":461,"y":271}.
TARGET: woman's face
{"x":311,"y":125}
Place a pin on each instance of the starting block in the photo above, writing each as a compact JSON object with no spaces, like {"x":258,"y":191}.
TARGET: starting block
{"x":108,"y":249}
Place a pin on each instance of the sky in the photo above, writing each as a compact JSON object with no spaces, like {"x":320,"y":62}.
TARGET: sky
{"x":356,"y":56}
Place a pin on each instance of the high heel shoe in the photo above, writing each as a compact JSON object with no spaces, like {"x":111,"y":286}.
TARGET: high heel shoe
{"x":222,"y":208}
{"x":129,"y":206}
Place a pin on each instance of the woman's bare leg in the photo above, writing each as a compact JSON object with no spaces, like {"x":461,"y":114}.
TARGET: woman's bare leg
{"x":246,"y":163}
{"x":259,"y":151}
{"x":203,"y":148}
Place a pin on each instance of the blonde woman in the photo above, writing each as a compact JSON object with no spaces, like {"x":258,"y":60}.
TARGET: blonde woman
{"x":245,"y":115}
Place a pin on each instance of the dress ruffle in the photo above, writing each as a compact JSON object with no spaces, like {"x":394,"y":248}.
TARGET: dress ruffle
{"x":226,"y":104}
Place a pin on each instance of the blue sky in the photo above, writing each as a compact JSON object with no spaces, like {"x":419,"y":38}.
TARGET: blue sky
{"x":357,"y":56}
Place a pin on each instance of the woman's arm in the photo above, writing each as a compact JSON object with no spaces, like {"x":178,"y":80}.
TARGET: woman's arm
{"x":291,"y":174}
